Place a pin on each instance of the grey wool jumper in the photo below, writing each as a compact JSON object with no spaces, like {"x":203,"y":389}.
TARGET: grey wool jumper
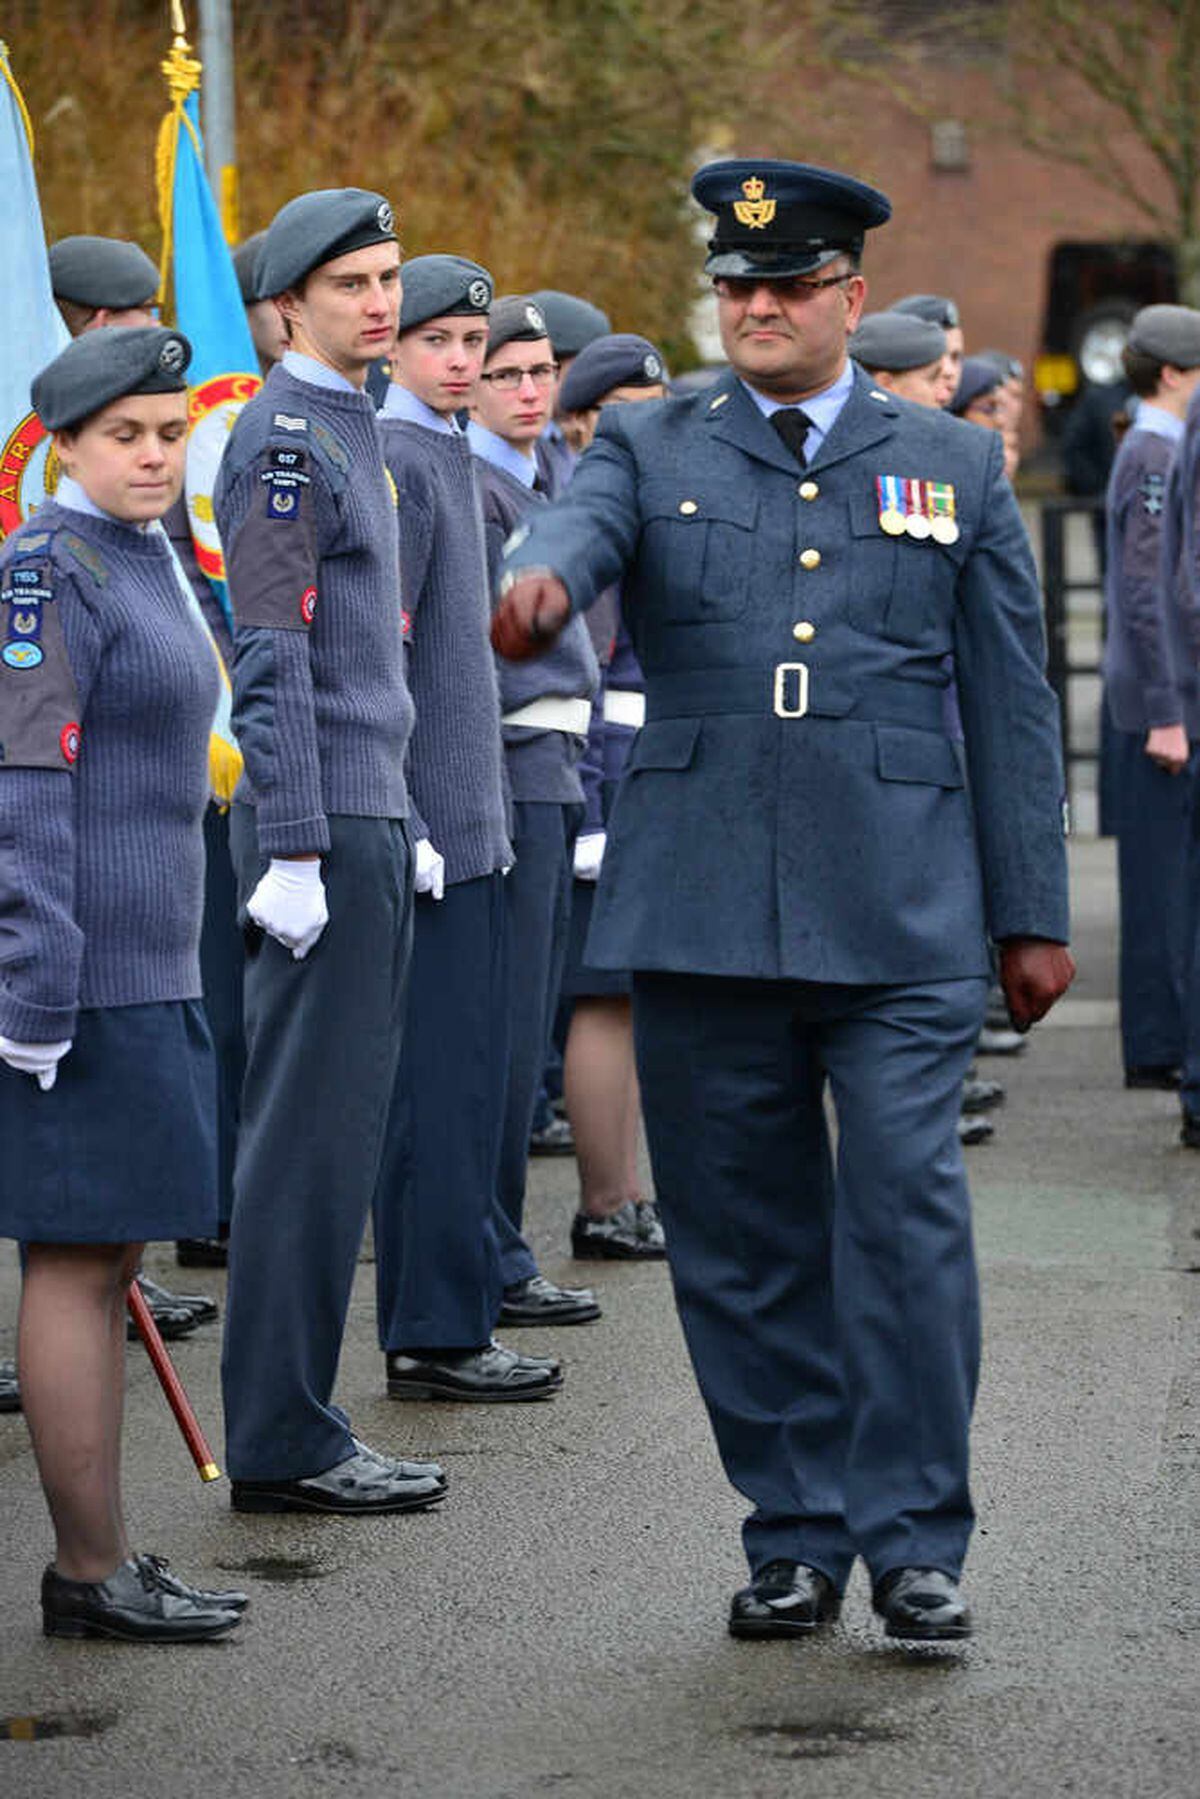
{"x":321,"y":708}
{"x":107,"y":693}
{"x":541,"y":764}
{"x":455,"y":766}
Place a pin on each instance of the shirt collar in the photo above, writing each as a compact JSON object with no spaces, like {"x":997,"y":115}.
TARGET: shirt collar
{"x":1160,"y":422}
{"x":502,"y":454}
{"x":317,"y":374}
{"x":821,"y":409}
{"x":401,"y":403}
{"x":70,"y":493}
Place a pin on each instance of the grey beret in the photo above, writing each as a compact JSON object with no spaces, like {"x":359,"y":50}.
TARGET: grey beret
{"x":572,"y":323}
{"x":247,"y":259}
{"x":935,"y":307}
{"x":314,"y":228}
{"x":620,"y":360}
{"x":103,"y":365}
{"x":1171,"y":334}
{"x":437,"y":286}
{"x":978,"y":378}
{"x":514,"y":319}
{"x":896,"y":341}
{"x":102,"y":271}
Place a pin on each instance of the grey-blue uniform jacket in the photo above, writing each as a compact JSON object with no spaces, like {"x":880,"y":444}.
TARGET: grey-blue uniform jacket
{"x":794,"y":809}
{"x":1149,"y":672}
{"x":1180,"y":553}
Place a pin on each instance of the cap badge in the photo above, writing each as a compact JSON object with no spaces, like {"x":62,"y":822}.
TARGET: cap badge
{"x":385,"y":218}
{"x":754,"y":210}
{"x":479,"y":293}
{"x":534,"y":319}
{"x":651,"y":366}
{"x":171,"y":356}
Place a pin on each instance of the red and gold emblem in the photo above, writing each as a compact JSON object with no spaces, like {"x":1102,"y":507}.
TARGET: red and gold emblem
{"x":755,"y":210}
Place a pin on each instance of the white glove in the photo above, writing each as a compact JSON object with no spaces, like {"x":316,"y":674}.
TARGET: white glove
{"x":40,"y":1059}
{"x":589,"y":854}
{"x":430,"y":873}
{"x":289,"y":904}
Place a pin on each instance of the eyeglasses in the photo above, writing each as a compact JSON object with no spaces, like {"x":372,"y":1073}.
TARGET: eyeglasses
{"x":508,"y":380}
{"x":788,"y":287}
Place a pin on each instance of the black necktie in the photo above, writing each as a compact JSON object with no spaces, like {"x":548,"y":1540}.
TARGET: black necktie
{"x":793,"y":426}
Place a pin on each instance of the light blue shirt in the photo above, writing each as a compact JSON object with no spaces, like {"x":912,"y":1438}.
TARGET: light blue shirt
{"x":502,"y":454}
{"x":1160,"y":423}
{"x":820,"y":409}
{"x":401,"y":403}
{"x":317,"y":374}
{"x":69,"y":493}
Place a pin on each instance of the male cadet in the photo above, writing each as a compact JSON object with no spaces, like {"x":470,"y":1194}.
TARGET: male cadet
{"x":1151,"y":694}
{"x":801,"y":886}
{"x":939,"y":309}
{"x":437,"y":1253}
{"x":267,"y":330}
{"x":905,"y":355}
{"x":545,"y":713}
{"x":572,"y":323}
{"x":110,"y":281}
{"x":308,"y":519}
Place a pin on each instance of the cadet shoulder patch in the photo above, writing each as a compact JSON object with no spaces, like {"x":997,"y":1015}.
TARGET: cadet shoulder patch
{"x":1152,"y":488}
{"x":271,"y":562}
{"x":39,"y":699}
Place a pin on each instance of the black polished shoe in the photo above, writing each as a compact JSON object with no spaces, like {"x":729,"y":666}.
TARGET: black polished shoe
{"x":634,"y":1233}
{"x":974,"y":1129}
{"x":202,"y":1252}
{"x":364,"y":1485}
{"x":172,"y":1321}
{"x":980,"y":1096}
{"x":784,"y":1599}
{"x":161,"y":1299}
{"x":921,"y":1604}
{"x":1189,"y":1130}
{"x":482,"y":1376}
{"x":225,"y":1601}
{"x":555,"y":1139}
{"x":10,"y":1391}
{"x":539,"y":1301}
{"x":1162,"y":1077}
{"x":131,"y":1604}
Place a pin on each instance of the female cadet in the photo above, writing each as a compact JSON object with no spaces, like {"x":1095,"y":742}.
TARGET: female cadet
{"x":615,"y":1221}
{"x":107,"y":694}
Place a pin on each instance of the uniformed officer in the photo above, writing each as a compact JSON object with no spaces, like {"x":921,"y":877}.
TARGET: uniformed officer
{"x":545,"y":712}
{"x":802,"y":888}
{"x":1150,"y":692}
{"x":436,"y":1245}
{"x":323,"y":855}
{"x":107,"y":694}
{"x":906,"y":355}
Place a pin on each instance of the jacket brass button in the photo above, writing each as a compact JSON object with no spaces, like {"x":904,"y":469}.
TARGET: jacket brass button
{"x":808,"y":490}
{"x":804,"y":632}
{"x":810,"y":558}
{"x":687,"y":507}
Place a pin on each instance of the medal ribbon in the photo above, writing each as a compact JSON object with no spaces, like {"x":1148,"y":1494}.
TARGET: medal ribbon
{"x":890,"y":494}
{"x":940,"y":498}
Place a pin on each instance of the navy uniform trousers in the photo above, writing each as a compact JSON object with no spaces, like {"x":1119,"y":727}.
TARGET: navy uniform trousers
{"x":322,"y":1041}
{"x":437,"y":1225}
{"x":831,"y":1311}
{"x":537,"y":914}
{"x":222,"y":958}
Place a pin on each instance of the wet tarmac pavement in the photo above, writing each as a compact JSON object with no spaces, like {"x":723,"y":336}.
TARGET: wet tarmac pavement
{"x":557,"y":1627}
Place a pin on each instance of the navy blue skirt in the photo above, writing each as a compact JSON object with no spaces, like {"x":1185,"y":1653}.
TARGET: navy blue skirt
{"x":123,"y":1147}
{"x":580,"y":981}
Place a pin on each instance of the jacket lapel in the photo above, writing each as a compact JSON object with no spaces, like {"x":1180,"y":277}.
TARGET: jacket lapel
{"x":732,"y":416}
{"x":864,"y":420}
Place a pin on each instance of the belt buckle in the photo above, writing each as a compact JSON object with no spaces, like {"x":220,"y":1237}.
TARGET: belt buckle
{"x":782,"y":671}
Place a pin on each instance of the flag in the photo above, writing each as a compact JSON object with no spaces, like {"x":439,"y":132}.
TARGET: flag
{"x":31,"y":327}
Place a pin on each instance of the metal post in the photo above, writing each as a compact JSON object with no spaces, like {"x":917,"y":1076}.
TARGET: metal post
{"x":217,"y":112}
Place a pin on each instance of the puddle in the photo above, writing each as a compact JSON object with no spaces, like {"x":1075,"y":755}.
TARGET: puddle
{"x":56,"y":1724}
{"x":817,"y":1738}
{"x":278,"y":1568}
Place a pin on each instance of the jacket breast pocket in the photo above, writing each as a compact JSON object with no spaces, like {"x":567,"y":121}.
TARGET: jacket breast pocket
{"x":900,"y":587}
{"x":696,"y":550}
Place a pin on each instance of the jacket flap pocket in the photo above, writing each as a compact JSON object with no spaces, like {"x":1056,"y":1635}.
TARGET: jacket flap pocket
{"x":926,"y":756}
{"x":666,"y":743}
{"x":697,"y":505}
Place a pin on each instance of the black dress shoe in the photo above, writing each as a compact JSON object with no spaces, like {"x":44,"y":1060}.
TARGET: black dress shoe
{"x":172,"y":1322}
{"x":922,"y":1604}
{"x":785,"y":1599}
{"x":539,"y":1301}
{"x":554,"y":1139}
{"x":490,"y":1375}
{"x":1189,"y":1130}
{"x":230,"y":1600}
{"x":1162,"y":1077}
{"x":973,"y":1128}
{"x":980,"y":1096}
{"x":202,"y":1252}
{"x":10,"y":1391}
{"x":131,"y":1604}
{"x":364,"y":1485}
{"x":202,"y":1308}
{"x":634,"y":1233}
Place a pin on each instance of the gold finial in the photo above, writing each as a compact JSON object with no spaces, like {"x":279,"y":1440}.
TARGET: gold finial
{"x":180,"y":67}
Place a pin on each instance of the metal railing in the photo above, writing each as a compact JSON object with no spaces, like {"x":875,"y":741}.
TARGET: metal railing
{"x":1061,"y":577}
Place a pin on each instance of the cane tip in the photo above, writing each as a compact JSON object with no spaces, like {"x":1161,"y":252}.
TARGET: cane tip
{"x":210,"y":1471}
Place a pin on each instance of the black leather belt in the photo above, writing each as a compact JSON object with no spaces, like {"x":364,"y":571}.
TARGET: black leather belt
{"x":794,"y":690}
